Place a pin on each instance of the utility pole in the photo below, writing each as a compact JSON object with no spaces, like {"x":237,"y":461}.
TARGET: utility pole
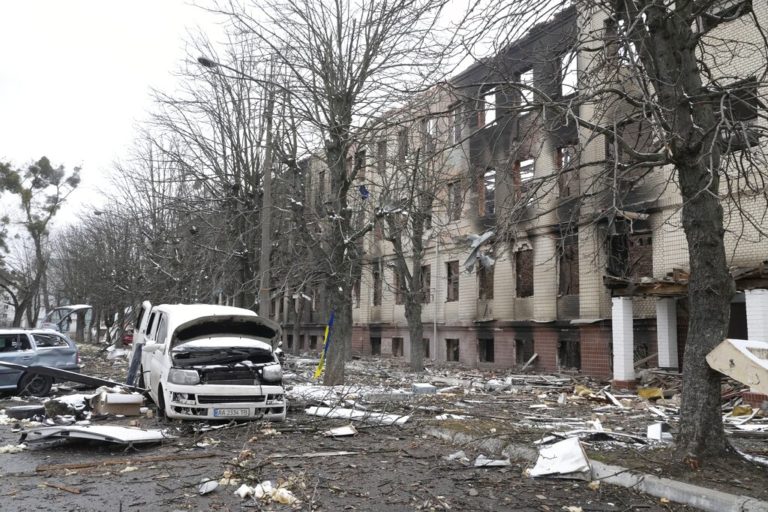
{"x":266,"y":208}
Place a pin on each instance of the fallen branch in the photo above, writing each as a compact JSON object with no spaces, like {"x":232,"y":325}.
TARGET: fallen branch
{"x":73,"y":490}
{"x":123,"y":461}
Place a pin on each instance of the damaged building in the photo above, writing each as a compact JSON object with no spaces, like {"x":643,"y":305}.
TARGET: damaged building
{"x":540,"y":245}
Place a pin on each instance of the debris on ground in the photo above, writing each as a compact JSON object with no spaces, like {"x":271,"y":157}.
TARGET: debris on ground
{"x":104,"y":433}
{"x":565,"y":459}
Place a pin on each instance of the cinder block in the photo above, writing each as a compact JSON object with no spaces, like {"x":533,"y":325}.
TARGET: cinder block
{"x":422,"y":388}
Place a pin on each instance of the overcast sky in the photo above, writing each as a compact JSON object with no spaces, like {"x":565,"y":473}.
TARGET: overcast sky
{"x":76,"y":76}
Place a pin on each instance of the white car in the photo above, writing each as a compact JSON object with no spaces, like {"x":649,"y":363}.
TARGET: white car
{"x":209,"y":362}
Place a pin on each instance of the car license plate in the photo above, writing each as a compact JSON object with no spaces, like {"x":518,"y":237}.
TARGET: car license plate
{"x":230,"y":412}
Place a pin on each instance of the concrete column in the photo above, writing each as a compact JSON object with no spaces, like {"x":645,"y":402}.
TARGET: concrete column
{"x":757,"y":314}
{"x":666,"y":328}
{"x":544,"y":278}
{"x":623,"y":341}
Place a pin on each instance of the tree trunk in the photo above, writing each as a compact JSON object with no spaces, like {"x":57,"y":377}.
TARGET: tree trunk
{"x":80,"y":327}
{"x":297,"y":323}
{"x":340,"y":334}
{"x":416,"y":331}
{"x":668,"y":56}
{"x":709,"y":294}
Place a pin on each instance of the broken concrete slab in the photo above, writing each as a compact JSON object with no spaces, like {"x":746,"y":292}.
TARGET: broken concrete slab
{"x":355,"y":415}
{"x":565,"y":459}
{"x":743,"y":360}
{"x":105,"y":433}
{"x":422,"y":388}
{"x":346,"y":431}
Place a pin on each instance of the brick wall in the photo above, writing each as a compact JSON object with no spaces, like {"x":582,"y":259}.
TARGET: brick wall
{"x":545,"y":344}
{"x":595,"y":342}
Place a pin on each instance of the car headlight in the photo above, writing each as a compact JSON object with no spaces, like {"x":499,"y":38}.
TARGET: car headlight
{"x":272,"y":373}
{"x":187,"y":377}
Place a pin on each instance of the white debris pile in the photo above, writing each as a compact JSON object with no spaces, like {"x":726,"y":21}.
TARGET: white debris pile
{"x":268,"y":492}
{"x":376,"y":418}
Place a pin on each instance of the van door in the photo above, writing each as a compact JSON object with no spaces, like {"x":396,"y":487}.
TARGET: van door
{"x":139,"y":336}
{"x":157,"y":357}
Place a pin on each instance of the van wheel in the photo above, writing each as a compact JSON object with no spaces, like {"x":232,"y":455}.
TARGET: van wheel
{"x":35,"y":385}
{"x":161,"y":403}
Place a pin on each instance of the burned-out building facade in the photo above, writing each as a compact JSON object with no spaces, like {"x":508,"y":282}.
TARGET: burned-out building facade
{"x":539,"y":240}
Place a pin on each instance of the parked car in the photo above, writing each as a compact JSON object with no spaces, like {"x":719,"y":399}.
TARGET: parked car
{"x":36,"y":347}
{"x":211,"y":362}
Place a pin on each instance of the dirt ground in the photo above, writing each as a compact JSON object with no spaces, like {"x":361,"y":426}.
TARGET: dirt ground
{"x":382,"y":468}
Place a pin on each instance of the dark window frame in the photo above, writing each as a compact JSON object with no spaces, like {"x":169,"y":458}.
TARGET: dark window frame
{"x":452,"y":281}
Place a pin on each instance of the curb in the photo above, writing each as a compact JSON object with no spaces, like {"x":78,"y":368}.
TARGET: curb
{"x":674,"y":490}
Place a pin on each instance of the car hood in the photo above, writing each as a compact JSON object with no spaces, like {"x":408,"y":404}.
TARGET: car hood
{"x":206,"y":329}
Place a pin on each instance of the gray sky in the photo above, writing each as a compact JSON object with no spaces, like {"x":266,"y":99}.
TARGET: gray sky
{"x":76,"y":76}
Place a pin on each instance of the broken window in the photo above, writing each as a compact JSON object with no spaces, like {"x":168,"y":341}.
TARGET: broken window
{"x":375,"y":346}
{"x":568,"y":74}
{"x":381,"y":156}
{"x":356,"y":293}
{"x":289,"y":341}
{"x":402,"y":145}
{"x":569,"y":351}
{"x":452,"y":272}
{"x":526,"y":81}
{"x":737,"y":110}
{"x":399,"y":286}
{"x":524,"y":273}
{"x":568,"y":263}
{"x":451,"y":349}
{"x":488,"y":193}
{"x":425,"y":344}
{"x":631,"y":254}
{"x":360,"y":163}
{"x":426,"y":283}
{"x":523,"y":350}
{"x":487,"y":112}
{"x":301,"y":342}
{"x":397,"y":347}
{"x":723,"y":11}
{"x":566,"y":168}
{"x":377,"y":285}
{"x":484,"y":282}
{"x":313,"y":342}
{"x":429,"y":133}
{"x":522,"y":176}
{"x":454,"y":201}
{"x":485,"y":350}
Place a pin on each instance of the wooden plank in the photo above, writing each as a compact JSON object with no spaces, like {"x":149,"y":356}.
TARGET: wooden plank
{"x":124,"y":461}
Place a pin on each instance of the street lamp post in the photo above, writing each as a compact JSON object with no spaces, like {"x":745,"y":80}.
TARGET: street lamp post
{"x":266,"y":203}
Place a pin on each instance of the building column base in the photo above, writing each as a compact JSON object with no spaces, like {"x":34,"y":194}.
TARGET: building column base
{"x":625,"y":385}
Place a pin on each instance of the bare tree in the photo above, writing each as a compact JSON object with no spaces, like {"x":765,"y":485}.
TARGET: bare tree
{"x":344,"y":62}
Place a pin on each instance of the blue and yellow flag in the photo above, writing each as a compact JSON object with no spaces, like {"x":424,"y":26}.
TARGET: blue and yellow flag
{"x":326,"y":344}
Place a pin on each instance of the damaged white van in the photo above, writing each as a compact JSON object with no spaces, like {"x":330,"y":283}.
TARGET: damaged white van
{"x":211,"y":362}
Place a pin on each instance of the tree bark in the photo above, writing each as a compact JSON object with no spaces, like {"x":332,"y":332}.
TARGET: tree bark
{"x":416,"y":332}
{"x":668,"y":56}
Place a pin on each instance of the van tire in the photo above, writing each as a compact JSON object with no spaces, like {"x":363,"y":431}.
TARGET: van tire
{"x":161,"y":403}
